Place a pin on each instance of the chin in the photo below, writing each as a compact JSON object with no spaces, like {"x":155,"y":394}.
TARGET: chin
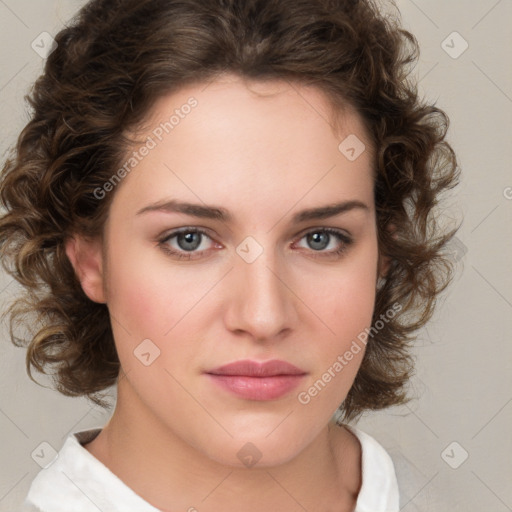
{"x":257,"y":451}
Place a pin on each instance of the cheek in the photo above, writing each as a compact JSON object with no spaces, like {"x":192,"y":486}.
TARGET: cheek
{"x":148,"y":301}
{"x":142,"y":297}
{"x":346,"y":300}
{"x":345,"y":306}
{"x":353,"y":304}
{"x":135,"y":300}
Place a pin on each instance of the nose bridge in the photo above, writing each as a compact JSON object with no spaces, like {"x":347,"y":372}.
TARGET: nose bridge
{"x":262,"y":304}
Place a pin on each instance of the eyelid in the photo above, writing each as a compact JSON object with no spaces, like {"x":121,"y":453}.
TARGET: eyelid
{"x":343,"y":236}
{"x":185,"y":229}
{"x":208,"y":232}
{"x":329,"y":229}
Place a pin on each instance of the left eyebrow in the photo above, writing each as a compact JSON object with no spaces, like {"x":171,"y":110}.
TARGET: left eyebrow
{"x":324,"y":212}
{"x":219,"y":213}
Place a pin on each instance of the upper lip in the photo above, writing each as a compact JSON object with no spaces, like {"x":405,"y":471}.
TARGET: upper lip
{"x":250,"y":368}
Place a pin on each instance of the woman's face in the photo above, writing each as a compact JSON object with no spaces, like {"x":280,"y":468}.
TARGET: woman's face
{"x":255,"y":275}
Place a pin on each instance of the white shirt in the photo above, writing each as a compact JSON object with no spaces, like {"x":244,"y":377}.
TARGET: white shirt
{"x":78,"y":482}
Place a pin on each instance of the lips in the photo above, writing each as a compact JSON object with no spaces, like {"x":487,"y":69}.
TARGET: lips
{"x":252,"y":380}
{"x":249,"y":368}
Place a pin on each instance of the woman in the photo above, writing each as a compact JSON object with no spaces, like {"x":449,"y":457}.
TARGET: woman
{"x":227,"y":209}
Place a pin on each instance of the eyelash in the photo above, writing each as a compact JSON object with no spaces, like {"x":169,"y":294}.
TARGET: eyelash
{"x":346,"y":242}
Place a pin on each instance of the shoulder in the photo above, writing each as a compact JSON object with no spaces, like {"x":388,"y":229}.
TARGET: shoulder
{"x":379,"y":486}
{"x":84,"y":484}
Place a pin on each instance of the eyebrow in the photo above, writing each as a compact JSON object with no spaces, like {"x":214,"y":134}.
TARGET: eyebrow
{"x":219,"y":213}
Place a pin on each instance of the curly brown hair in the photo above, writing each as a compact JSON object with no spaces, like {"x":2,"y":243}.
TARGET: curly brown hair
{"x":118,"y":57}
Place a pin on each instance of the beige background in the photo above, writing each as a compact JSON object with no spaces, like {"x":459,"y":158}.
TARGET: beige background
{"x":464,"y":358}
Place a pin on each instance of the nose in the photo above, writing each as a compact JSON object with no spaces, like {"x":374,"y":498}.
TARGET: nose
{"x":262,"y":304}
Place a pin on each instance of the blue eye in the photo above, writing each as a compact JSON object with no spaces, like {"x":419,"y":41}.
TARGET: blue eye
{"x":320,"y":239}
{"x":189,"y":240}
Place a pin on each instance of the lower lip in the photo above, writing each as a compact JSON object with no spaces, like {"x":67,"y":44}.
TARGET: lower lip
{"x":258,"y":388}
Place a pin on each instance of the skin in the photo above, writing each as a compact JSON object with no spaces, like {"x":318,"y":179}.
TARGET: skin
{"x":174,"y":436}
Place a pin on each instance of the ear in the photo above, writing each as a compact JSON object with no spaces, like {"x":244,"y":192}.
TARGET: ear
{"x":86,"y":257}
{"x":384,"y":261}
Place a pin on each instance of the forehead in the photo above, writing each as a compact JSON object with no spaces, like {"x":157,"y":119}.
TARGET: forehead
{"x":256,"y":142}
{"x":233,"y":98}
